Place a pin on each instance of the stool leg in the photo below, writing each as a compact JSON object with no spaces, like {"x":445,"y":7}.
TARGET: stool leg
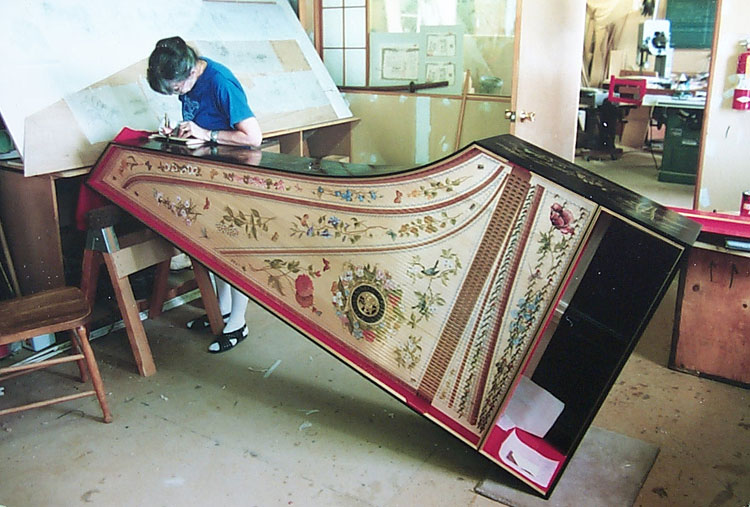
{"x":82,"y":336}
{"x":81,"y":364}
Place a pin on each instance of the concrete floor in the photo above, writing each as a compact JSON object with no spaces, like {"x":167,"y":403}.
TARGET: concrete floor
{"x":278,"y":421}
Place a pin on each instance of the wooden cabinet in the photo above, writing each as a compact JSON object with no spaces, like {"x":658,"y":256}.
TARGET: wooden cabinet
{"x":31,"y":219}
{"x":497,"y":291}
{"x":333,"y":138}
{"x":712,"y":322}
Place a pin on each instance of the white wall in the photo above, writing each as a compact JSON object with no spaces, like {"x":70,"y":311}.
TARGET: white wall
{"x":724,"y":165}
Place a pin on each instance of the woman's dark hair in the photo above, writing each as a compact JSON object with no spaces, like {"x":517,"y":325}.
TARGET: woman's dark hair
{"x":171,"y":60}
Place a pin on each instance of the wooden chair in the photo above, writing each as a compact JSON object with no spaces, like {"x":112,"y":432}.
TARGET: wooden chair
{"x":50,"y":311}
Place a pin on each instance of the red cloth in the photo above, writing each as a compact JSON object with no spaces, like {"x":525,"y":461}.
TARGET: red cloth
{"x":128,"y":134}
{"x":87,"y":198}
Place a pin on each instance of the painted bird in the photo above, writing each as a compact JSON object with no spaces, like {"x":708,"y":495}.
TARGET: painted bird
{"x":431,"y":271}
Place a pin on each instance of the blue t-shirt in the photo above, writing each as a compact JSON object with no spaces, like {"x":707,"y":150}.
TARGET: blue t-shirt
{"x":217,"y":100}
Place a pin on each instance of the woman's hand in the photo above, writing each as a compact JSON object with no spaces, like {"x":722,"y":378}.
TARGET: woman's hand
{"x":191,"y":129}
{"x":245,"y":133}
{"x":166,"y":130}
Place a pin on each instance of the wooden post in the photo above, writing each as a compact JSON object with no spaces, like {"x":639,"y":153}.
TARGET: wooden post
{"x":464,"y":93}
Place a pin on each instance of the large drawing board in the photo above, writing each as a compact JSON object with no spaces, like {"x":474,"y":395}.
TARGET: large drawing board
{"x":75,"y":73}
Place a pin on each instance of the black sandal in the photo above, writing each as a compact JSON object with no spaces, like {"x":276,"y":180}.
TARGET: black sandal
{"x":224,"y":340}
{"x":202,"y":322}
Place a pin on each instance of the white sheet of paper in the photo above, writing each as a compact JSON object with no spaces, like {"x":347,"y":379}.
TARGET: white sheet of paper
{"x":531,"y":408}
{"x":527,"y":461}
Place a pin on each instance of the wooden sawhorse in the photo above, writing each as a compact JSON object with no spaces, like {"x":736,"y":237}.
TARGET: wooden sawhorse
{"x":127,"y":255}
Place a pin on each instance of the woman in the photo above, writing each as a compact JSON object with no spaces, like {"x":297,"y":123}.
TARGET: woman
{"x":215,"y":109}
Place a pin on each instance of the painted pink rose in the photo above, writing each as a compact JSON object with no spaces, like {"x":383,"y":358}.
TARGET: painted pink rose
{"x":304,"y":290}
{"x":561,"y":219}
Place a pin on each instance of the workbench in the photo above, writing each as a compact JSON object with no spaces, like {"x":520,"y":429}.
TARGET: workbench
{"x":712,"y":319}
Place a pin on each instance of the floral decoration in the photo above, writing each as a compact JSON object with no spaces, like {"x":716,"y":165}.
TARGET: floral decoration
{"x":550,"y":261}
{"x":251,"y":222}
{"x":181,"y":169}
{"x":427,"y":224}
{"x":348,"y":195}
{"x":429,"y":300}
{"x":561,"y":219}
{"x":304,"y":290}
{"x":433,"y":188}
{"x":332,"y":227}
{"x":181,"y":209}
{"x":409,"y":354}
{"x":283,"y":275}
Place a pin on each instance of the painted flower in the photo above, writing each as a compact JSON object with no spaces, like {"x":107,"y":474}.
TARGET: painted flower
{"x":448,"y":264}
{"x":561,"y":219}
{"x":304,"y":290}
{"x":338,"y":299}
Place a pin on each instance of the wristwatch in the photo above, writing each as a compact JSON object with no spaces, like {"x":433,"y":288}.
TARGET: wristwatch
{"x":214,"y":136}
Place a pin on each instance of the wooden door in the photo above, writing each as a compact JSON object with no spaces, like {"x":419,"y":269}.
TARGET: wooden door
{"x":547,"y":73}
